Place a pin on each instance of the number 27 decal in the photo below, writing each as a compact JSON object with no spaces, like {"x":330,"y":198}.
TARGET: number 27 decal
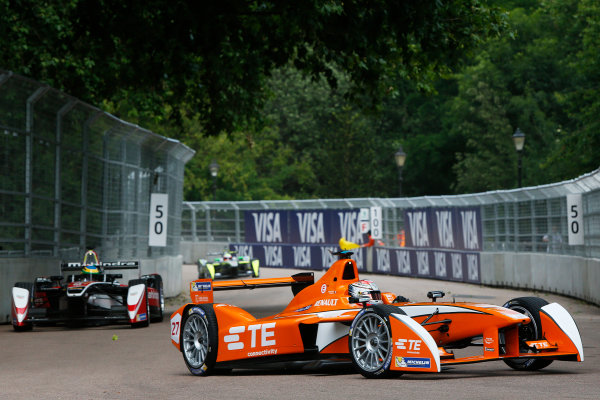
{"x":175,"y":328}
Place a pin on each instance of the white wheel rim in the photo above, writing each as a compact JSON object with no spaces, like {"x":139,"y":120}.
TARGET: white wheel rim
{"x":370,"y":342}
{"x":195,"y":340}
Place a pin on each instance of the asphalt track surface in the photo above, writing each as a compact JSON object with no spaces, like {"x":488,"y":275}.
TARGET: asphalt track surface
{"x":117,"y":362}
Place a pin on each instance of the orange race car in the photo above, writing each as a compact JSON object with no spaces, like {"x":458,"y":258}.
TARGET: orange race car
{"x":342,"y":317}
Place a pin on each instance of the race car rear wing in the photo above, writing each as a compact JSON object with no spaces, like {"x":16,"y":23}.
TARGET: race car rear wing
{"x":220,"y":253}
{"x":302,"y":278}
{"x":111,"y":265}
{"x":201,"y":289}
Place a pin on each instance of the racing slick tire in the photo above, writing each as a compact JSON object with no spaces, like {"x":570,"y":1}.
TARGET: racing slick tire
{"x":203,"y":272}
{"x":29,"y":287}
{"x":158,"y":285}
{"x":199,"y":339}
{"x":531,"y":307}
{"x":370,"y":341}
{"x":142,"y":324}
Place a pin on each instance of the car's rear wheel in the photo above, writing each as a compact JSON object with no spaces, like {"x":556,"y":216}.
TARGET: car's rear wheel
{"x":529,"y":306}
{"x":158,"y":284}
{"x":370,"y":341}
{"x":199,"y":339}
{"x":203,"y":271}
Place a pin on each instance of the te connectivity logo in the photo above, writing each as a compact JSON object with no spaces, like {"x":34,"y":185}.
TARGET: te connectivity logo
{"x":410,"y":345}
{"x":260,"y":335}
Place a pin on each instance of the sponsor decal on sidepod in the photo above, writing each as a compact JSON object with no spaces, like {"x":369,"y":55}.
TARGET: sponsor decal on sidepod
{"x":410,"y":345}
{"x":413,"y":362}
{"x":261,"y":335}
{"x":303,"y":308}
{"x":326,"y":302}
{"x":201,"y":287}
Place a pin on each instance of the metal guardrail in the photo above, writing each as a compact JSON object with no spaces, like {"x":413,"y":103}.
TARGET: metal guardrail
{"x":515,"y":220}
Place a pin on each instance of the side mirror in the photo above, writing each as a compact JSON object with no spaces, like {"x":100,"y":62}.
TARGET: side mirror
{"x":435,"y":294}
{"x":355,"y":300}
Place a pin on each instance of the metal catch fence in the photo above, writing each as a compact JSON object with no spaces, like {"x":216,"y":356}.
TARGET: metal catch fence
{"x":74,"y":176}
{"x":533,"y":219}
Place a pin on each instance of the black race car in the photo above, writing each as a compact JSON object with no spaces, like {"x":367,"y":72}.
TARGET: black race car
{"x":90,"y":297}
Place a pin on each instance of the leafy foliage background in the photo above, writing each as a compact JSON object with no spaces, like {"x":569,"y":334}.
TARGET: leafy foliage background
{"x":312,"y":99}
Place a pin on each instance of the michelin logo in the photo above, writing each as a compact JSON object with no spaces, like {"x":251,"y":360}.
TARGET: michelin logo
{"x":201,"y":287}
{"x":411,"y":362}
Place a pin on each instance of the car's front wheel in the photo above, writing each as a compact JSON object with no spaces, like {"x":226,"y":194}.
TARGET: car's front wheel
{"x":529,"y":306}
{"x":199,"y":339}
{"x":146,"y":322}
{"x":28,"y":326}
{"x":370,"y":341}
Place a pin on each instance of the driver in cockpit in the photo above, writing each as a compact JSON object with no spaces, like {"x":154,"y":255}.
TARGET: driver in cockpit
{"x":365,"y":290}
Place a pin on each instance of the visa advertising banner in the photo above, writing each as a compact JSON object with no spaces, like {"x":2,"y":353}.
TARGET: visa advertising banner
{"x":444,"y":228}
{"x":458,"y":266}
{"x":309,"y":257}
{"x":440,"y":243}
{"x":302,"y":226}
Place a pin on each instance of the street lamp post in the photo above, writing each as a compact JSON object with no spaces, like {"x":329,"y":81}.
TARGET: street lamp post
{"x":400,"y":157}
{"x":214,"y":170}
{"x":519,"y":141}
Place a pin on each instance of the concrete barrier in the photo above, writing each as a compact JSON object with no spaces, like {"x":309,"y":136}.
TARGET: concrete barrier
{"x":571,"y":276}
{"x":14,"y":270}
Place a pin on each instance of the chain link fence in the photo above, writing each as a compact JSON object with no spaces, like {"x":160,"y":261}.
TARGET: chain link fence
{"x":74,"y":177}
{"x":532,"y":219}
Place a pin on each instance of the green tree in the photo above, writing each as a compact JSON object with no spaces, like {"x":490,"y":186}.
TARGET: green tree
{"x":349,"y":154}
{"x":577,"y":137}
{"x":213,"y":56}
{"x":414,"y":119}
{"x":543,"y":82}
{"x":488,"y":153}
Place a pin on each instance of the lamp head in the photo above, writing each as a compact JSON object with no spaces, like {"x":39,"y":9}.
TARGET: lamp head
{"x":518,"y":139}
{"x":400,"y":157}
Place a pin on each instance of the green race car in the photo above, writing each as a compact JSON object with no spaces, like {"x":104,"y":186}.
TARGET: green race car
{"x":227,"y":264}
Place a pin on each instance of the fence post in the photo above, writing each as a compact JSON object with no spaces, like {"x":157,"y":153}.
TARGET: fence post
{"x":208,"y":228}
{"x":29,"y":164}
{"x":238,"y":237}
{"x":58,"y":175}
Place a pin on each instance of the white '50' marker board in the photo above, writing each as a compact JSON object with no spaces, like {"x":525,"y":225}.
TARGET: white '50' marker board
{"x":159,"y":213}
{"x":575,"y":219}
